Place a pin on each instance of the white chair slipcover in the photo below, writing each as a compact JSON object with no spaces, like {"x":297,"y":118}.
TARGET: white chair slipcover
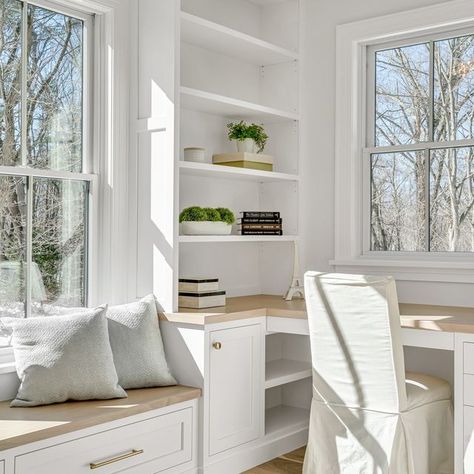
{"x":367,"y":415}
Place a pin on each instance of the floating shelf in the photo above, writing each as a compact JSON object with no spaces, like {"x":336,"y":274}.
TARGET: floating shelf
{"x":236,"y":238}
{"x":285,"y":418}
{"x":219,"y":38}
{"x":282,"y":371}
{"x":229,"y":107}
{"x":229,"y":172}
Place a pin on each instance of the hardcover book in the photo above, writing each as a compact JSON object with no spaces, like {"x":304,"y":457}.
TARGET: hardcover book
{"x":257,"y":161}
{"x":261,"y":232}
{"x":260,"y":215}
{"x":259,"y":220}
{"x":260,"y":226}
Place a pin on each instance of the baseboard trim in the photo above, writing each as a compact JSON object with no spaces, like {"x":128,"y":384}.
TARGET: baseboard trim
{"x":249,"y":457}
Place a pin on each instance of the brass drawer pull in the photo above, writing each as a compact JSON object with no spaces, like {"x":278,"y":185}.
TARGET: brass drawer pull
{"x":133,"y":452}
{"x":217,"y":345}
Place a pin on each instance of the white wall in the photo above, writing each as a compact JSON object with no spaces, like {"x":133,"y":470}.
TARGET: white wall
{"x":319,"y":21}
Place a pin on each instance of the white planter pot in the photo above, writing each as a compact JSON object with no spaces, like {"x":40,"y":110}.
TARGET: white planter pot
{"x":205,"y":228}
{"x":246,"y":146}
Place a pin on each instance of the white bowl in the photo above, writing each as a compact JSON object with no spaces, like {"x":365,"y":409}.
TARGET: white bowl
{"x":205,"y":228}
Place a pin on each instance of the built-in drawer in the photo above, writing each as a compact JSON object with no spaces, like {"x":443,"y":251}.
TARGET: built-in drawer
{"x":148,"y":446}
{"x":468,"y":358}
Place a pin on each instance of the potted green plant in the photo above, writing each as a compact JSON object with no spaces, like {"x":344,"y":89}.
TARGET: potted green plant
{"x":206,"y":221}
{"x":250,"y":138}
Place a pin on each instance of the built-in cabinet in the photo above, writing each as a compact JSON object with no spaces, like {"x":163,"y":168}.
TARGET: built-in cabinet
{"x":234,"y":387}
{"x":256,"y":388}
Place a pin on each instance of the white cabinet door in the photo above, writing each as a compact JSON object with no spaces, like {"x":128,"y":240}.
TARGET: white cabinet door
{"x":236,"y":387}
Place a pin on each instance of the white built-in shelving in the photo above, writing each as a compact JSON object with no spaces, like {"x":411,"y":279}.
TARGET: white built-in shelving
{"x":216,"y":104}
{"x":219,"y":38}
{"x":240,"y":61}
{"x":228,"y":172}
{"x":235,"y":238}
{"x":285,"y":418}
{"x":282,"y":371}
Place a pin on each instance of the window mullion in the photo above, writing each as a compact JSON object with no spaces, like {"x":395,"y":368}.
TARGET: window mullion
{"x":427,"y":222}
{"x":24,"y":83}
{"x":431,"y":96}
{"x":24,"y":155}
{"x":29,"y":243}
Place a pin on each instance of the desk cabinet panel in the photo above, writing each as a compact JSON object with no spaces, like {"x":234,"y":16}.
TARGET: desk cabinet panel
{"x":236,"y":387}
{"x":468,"y":440}
{"x":469,"y":390}
{"x":2,"y":467}
{"x":468,"y":358}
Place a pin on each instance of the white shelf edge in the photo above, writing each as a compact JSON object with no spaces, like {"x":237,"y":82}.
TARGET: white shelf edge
{"x":235,"y":238}
{"x":220,"y":171}
{"x":285,"y":418}
{"x":283,"y":371}
{"x":252,"y":41}
{"x":237,"y":103}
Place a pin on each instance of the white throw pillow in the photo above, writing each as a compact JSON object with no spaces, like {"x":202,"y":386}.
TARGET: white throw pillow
{"x":61,"y":358}
{"x":137,"y":345}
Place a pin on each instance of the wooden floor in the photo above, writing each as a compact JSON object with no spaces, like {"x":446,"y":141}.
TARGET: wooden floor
{"x":291,"y":463}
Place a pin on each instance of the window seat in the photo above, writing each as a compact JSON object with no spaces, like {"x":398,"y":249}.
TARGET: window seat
{"x":20,"y":426}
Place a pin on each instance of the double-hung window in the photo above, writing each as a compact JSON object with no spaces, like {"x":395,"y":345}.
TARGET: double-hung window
{"x":419,"y":152}
{"x":45,"y":158}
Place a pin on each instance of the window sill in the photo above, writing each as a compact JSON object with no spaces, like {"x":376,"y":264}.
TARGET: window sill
{"x":410,"y":270}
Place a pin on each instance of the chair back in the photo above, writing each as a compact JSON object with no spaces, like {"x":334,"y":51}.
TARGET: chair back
{"x":356,"y":348}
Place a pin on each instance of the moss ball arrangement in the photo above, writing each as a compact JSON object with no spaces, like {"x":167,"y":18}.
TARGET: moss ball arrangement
{"x":200,"y":214}
{"x":240,"y":131}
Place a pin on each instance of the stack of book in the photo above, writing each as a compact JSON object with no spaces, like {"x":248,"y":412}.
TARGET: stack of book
{"x":260,"y":223}
{"x":200,"y":293}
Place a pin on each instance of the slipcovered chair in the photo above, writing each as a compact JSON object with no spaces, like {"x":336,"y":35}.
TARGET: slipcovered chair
{"x":367,"y":415}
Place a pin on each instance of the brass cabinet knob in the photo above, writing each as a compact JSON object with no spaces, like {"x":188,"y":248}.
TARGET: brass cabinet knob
{"x":217,"y":345}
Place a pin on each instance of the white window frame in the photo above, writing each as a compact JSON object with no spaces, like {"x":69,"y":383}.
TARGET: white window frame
{"x":352,"y":197}
{"x":88,"y":164}
{"x":370,"y":147}
{"x":107,"y":143}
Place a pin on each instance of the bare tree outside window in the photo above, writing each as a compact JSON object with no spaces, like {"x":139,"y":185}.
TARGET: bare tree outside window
{"x":43,"y":220}
{"x":422,"y":198}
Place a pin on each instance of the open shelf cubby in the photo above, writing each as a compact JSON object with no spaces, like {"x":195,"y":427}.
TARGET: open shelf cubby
{"x":287,"y":407}
{"x":287,"y":359}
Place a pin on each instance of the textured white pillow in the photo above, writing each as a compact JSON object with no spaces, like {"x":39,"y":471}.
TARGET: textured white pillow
{"x":61,"y":358}
{"x":137,"y":346}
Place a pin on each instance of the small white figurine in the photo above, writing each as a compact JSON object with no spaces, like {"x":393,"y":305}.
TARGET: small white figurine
{"x":296,"y":287}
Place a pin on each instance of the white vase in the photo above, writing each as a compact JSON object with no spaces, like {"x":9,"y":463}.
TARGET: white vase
{"x":246,"y":146}
{"x":205,"y":228}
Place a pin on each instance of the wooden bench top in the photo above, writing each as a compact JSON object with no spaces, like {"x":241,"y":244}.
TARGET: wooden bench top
{"x":19,"y":426}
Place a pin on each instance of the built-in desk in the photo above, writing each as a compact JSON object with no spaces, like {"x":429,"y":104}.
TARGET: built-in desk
{"x":412,"y":316}
{"x":423,"y":326}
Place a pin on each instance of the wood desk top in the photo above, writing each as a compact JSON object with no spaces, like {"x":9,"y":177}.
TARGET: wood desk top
{"x":19,"y":426}
{"x":433,"y":318}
